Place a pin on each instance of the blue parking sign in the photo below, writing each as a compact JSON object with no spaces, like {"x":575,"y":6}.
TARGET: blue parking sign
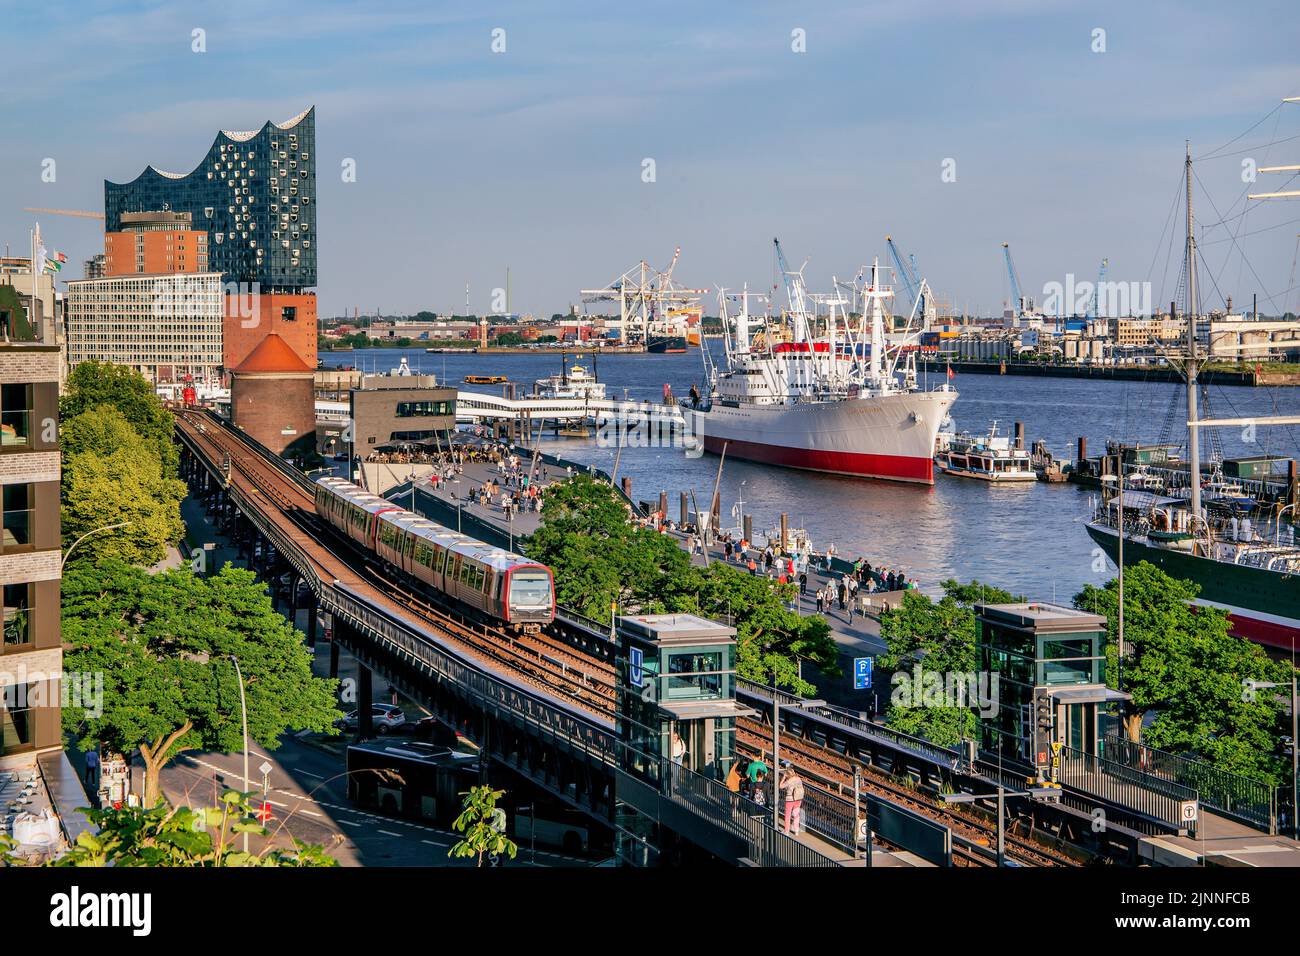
{"x":862,"y":673}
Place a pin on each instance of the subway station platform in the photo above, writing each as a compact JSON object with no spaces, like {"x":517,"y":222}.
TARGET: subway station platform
{"x":1221,"y":842}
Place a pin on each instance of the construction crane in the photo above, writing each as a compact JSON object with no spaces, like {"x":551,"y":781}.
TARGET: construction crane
{"x":1094,"y":311}
{"x":1017,"y":301}
{"x":79,"y":213}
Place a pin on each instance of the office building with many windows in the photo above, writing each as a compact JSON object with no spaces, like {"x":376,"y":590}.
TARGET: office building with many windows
{"x":167,"y":326}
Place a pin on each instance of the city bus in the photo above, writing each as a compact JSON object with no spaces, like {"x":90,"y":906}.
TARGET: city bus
{"x":410,"y":778}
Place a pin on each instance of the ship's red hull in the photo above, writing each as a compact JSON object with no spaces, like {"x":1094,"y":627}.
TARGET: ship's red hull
{"x":889,"y":467}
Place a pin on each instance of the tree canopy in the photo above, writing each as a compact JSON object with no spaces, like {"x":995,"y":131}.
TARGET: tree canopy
{"x":164,"y":644}
{"x":1187,"y":674}
{"x":94,"y":384}
{"x":601,"y":559}
{"x":940,"y":637}
{"x":113,"y":474}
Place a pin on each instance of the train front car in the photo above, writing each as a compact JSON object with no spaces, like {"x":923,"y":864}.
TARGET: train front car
{"x":529,"y":594}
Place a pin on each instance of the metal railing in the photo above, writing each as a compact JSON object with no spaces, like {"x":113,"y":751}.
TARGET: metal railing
{"x":1157,"y":799}
{"x":1233,"y":795}
{"x":730,"y":811}
{"x":937,"y":753}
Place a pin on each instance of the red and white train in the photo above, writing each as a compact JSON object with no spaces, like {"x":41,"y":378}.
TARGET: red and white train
{"x":505,"y":586}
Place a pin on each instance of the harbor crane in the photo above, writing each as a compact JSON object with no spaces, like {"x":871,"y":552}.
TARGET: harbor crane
{"x":645,"y":295}
{"x":911,"y":282}
{"x":1019,"y":304}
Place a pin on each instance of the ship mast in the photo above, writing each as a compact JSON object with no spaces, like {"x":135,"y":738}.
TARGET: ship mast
{"x":1192,"y":360}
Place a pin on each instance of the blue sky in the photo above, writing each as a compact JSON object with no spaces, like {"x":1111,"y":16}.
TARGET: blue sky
{"x":469,"y":161}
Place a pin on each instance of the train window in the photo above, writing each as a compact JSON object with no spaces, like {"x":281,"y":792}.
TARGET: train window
{"x":530,"y":588}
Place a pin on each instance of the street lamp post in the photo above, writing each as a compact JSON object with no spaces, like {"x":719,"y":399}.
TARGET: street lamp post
{"x":108,"y":527}
{"x":243,"y":710}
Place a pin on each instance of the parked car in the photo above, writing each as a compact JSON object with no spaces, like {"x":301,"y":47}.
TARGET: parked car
{"x":385,"y":718}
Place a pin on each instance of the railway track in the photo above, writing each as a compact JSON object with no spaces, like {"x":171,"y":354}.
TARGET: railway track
{"x":551,"y":664}
{"x":540,"y":663}
{"x":834,"y":772}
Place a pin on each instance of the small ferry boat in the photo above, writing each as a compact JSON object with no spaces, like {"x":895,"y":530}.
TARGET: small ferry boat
{"x":987,"y":457}
{"x":575,"y":382}
{"x":485,"y":379}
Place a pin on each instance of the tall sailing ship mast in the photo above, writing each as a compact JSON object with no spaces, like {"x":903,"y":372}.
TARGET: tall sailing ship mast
{"x":1249,"y":567}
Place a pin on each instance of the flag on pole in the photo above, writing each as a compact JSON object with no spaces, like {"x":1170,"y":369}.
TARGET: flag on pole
{"x":38,"y":252}
{"x":54,"y":262}
{"x":951,"y":373}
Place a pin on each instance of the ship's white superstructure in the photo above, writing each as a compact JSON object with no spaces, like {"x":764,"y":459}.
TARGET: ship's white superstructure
{"x":822,"y":393}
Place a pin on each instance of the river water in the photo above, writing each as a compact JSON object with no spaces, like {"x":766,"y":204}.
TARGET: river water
{"x":1027,"y":538}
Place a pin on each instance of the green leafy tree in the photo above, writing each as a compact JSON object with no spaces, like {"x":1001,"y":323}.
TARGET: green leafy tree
{"x":601,"y":560}
{"x":483,"y":825}
{"x":921,"y":636}
{"x":164,"y":644}
{"x":1186,"y":671}
{"x":112,"y":474}
{"x":93,"y":384}
{"x":184,"y":837}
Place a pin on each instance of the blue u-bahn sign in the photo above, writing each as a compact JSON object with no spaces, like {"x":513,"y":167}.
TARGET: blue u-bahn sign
{"x":635,"y":666}
{"x":862,"y":673}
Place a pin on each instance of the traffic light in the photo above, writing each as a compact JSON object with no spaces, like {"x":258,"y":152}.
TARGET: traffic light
{"x":1044,"y":716}
{"x":1044,"y":721}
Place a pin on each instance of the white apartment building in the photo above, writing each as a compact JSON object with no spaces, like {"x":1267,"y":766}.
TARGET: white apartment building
{"x":169,"y":327}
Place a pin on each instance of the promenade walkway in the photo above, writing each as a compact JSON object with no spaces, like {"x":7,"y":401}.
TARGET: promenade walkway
{"x":858,"y":637}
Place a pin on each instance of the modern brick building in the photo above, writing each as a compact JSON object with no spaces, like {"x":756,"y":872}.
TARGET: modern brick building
{"x":272,"y":398}
{"x":151,"y":243}
{"x":391,"y":411}
{"x":31,"y":651}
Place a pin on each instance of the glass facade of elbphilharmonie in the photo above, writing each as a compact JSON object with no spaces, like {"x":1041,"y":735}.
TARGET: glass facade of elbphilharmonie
{"x":254,"y":194}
